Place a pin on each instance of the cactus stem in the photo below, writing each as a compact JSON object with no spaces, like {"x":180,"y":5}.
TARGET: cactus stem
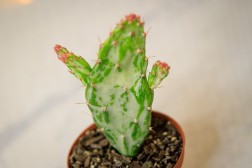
{"x":149,"y":108}
{"x":139,"y":51}
{"x":117,"y":65}
{"x":104,"y":108}
{"x":114,"y":43}
{"x":136,"y":121}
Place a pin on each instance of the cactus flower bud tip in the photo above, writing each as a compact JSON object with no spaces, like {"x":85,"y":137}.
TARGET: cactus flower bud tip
{"x":131,"y":17}
{"x":57,"y":48}
{"x":163,"y":65}
{"x":61,"y":52}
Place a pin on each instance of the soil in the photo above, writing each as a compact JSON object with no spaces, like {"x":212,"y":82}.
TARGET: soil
{"x":161,"y":149}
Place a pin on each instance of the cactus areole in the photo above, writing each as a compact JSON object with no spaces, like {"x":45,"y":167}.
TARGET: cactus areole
{"x":118,"y":92}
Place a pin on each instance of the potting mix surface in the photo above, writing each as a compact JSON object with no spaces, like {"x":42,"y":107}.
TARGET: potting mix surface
{"x":161,"y":149}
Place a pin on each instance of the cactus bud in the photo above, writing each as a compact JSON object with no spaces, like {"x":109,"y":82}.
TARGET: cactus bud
{"x":159,"y":71}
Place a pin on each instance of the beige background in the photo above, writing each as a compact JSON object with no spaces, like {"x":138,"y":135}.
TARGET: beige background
{"x":208,"y":45}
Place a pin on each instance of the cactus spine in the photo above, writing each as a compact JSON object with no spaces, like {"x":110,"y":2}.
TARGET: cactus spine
{"x":117,"y":90}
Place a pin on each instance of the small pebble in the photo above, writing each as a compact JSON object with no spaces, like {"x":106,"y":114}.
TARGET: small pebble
{"x":173,"y":139}
{"x":118,"y":163}
{"x":87,"y":161}
{"x":169,"y":165}
{"x":147,"y":164}
{"x":176,"y":142}
{"x":165,"y":133}
{"x":103,"y":143}
{"x":79,"y":158}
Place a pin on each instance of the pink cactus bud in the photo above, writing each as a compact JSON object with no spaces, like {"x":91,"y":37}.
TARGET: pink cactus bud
{"x":163,"y":66}
{"x":62,"y":53}
{"x":57,"y":48}
{"x":132,"y":17}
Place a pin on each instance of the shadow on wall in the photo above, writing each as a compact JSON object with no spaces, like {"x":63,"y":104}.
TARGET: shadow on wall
{"x":13,"y":131}
{"x":201,"y":142}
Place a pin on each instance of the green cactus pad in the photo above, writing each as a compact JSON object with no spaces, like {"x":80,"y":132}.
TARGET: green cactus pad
{"x":77,"y":65}
{"x":117,"y":91}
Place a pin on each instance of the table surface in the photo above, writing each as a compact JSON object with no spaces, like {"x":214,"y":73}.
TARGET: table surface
{"x":208,"y":45}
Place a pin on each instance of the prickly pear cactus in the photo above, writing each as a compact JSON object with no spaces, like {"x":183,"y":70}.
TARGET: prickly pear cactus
{"x":117,"y":90}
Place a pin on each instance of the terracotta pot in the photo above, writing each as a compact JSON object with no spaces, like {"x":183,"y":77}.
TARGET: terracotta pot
{"x":154,"y":113}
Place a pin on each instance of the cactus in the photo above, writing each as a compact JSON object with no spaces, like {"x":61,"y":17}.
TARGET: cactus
{"x":117,"y":90}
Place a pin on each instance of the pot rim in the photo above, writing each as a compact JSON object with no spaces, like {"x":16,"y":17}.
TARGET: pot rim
{"x":155,"y":114}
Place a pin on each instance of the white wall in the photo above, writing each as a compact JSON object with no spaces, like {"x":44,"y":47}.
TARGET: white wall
{"x":208,"y":45}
